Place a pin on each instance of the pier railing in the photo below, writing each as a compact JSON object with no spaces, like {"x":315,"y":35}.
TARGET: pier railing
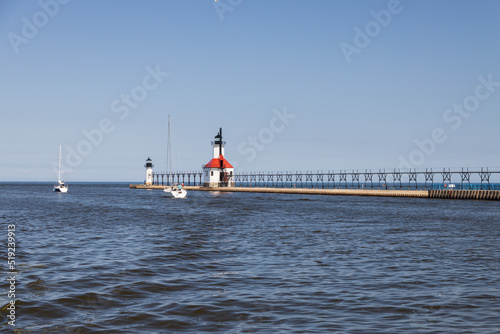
{"x":187,"y":178}
{"x":428,"y":179}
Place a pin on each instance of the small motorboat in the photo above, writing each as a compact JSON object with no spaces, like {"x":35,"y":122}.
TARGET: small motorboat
{"x":176,"y":191}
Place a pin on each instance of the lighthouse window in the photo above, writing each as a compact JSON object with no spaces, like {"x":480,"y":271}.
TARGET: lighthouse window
{"x":212,"y":173}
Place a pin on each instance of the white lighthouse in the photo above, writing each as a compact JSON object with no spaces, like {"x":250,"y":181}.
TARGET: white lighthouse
{"x":149,"y":171}
{"x":218,"y":172}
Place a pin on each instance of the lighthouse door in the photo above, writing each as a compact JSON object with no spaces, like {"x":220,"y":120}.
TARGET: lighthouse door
{"x":223,"y":179}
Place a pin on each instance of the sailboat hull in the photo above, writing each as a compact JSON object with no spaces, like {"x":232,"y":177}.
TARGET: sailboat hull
{"x":175,"y":192}
{"x":59,"y":189}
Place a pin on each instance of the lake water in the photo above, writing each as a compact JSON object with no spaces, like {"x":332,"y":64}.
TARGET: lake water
{"x":108,"y":259}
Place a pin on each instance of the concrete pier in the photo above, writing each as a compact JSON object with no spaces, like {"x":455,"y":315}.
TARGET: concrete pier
{"x":305,"y":191}
{"x":342,"y":192}
{"x":438,"y":194}
{"x":466,"y":194}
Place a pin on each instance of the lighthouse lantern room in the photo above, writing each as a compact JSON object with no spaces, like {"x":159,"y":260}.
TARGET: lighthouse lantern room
{"x":218,"y":172}
{"x":149,"y":172}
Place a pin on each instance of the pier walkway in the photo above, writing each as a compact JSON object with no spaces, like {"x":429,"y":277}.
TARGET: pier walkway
{"x":443,"y":194}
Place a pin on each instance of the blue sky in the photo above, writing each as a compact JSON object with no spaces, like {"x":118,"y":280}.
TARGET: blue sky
{"x":275,"y":75}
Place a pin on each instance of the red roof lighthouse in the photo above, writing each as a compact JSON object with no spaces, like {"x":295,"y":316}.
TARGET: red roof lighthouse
{"x":218,"y":171}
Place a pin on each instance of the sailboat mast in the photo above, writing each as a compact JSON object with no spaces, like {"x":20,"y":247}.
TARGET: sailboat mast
{"x":169,"y":153}
{"x":59,"y":175}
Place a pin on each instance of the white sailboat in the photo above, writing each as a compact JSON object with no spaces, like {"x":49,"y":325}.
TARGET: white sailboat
{"x":173,"y":189}
{"x":60,"y":187}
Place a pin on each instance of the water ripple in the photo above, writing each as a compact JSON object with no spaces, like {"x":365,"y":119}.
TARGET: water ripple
{"x":128,"y":261}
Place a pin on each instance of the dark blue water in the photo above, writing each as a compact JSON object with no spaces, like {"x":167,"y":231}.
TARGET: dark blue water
{"x":108,"y":259}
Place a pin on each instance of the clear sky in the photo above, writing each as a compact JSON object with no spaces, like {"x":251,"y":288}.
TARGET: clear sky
{"x":295,"y":85}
